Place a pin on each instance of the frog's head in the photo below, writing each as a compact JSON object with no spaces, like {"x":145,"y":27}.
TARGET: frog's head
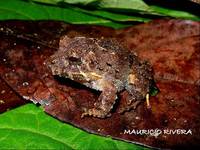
{"x":74,"y":59}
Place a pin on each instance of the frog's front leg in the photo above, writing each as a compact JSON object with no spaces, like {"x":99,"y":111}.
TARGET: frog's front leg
{"x":105,"y":102}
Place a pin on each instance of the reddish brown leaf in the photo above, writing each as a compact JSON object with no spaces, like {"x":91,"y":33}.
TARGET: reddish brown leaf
{"x":171,"y":46}
{"x":8,"y":98}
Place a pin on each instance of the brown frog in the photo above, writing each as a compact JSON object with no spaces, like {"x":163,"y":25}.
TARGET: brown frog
{"x":103,"y":65}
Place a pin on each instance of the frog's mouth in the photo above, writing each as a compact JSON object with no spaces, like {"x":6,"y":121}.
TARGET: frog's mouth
{"x":84,"y":76}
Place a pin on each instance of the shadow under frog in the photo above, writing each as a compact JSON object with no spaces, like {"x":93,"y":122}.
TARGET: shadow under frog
{"x":104,"y":65}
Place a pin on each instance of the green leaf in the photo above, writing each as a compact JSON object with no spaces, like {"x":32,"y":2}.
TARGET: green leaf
{"x":127,"y":5}
{"x":28,"y":127}
{"x":17,"y":9}
{"x":83,"y":2}
{"x":113,"y":16}
{"x":138,"y":5}
{"x":175,"y":13}
{"x":154,"y":90}
{"x":98,"y":13}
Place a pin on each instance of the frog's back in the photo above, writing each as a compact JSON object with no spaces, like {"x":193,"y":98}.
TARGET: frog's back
{"x":88,"y":59}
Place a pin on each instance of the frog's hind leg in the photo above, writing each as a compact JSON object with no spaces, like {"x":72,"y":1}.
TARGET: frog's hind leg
{"x":129,"y":102}
{"x":104,"y":104}
{"x":136,"y":95}
{"x":138,"y":85}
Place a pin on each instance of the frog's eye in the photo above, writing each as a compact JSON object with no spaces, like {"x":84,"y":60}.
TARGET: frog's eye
{"x":74,"y":60}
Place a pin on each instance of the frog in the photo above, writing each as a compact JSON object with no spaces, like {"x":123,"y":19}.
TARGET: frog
{"x":105,"y":65}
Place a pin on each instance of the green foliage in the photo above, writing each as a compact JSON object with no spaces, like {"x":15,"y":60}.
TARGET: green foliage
{"x":154,"y":90}
{"x":28,"y":127}
{"x":175,"y":13}
{"x":17,"y":9}
{"x":128,"y":4}
{"x":82,"y":2}
{"x":112,"y":16}
{"x":132,"y":7}
{"x":113,"y":13}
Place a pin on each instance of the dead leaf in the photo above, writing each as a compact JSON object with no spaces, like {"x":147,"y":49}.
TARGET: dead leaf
{"x":171,"y":46}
